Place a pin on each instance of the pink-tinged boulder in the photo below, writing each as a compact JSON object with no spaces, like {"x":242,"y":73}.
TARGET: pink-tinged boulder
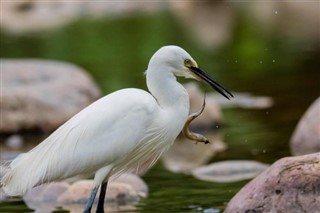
{"x":306,"y":137}
{"x":126,"y":189}
{"x":41,"y":94}
{"x":291,"y":184}
{"x":44,"y":198}
{"x":122,"y":194}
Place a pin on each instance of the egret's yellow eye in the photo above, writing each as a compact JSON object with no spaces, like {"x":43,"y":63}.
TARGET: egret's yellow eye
{"x":187,"y":63}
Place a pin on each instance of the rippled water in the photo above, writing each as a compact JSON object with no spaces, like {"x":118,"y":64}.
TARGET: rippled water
{"x":258,"y":134}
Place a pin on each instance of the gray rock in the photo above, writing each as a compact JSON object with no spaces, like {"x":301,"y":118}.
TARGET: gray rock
{"x":291,"y":184}
{"x":229,"y":171}
{"x":306,"y":137}
{"x":40,"y":94}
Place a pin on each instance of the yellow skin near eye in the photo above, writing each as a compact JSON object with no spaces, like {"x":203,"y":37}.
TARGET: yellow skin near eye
{"x":190,"y":63}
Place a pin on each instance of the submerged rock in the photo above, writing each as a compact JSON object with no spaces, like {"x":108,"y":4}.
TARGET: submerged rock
{"x":291,"y":184}
{"x":306,"y":137}
{"x":229,"y":171}
{"x":40,"y":94}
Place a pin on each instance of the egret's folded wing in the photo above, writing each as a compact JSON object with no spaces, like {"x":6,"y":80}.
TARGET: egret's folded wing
{"x":98,"y":135}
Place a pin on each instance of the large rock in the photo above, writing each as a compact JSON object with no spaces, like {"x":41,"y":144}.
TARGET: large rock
{"x":306,"y":137}
{"x":39,"y":94}
{"x":291,"y":184}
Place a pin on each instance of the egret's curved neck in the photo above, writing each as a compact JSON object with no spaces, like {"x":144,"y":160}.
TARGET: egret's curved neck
{"x":163,"y":85}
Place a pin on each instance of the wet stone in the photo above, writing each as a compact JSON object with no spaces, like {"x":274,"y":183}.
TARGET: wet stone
{"x":229,"y":171}
{"x":291,"y":184}
{"x":34,"y":96}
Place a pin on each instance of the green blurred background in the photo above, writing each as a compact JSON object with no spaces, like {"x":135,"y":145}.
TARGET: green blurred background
{"x":266,"y":48}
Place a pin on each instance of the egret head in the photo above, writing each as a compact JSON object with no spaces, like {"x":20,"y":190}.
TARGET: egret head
{"x":180,"y":63}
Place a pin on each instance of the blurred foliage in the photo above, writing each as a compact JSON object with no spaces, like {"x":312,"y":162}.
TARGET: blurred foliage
{"x":116,"y":51}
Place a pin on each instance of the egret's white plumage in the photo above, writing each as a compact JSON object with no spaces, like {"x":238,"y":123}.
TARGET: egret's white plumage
{"x":117,"y":132}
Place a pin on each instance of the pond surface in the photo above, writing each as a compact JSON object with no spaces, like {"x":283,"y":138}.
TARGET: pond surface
{"x":257,"y":134}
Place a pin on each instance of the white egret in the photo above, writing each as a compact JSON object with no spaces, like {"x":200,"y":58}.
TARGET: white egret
{"x":116,"y":133}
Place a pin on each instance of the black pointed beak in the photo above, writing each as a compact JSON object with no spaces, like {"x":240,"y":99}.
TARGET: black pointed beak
{"x":206,"y":78}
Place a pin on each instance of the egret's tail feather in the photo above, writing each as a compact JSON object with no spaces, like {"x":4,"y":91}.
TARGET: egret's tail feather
{"x":4,"y":168}
{"x":11,"y":181}
{"x":21,"y":174}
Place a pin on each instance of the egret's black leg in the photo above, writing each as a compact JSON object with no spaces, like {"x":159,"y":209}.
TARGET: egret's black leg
{"x":102,"y":195}
{"x":87,"y":208}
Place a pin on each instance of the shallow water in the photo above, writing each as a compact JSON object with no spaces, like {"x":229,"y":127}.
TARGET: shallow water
{"x":257,"y":134}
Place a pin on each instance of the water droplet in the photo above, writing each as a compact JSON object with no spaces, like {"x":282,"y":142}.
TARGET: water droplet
{"x":264,"y":151}
{"x":260,"y":62}
{"x":236,"y":61}
{"x":276,"y":12}
{"x":273,"y":60}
